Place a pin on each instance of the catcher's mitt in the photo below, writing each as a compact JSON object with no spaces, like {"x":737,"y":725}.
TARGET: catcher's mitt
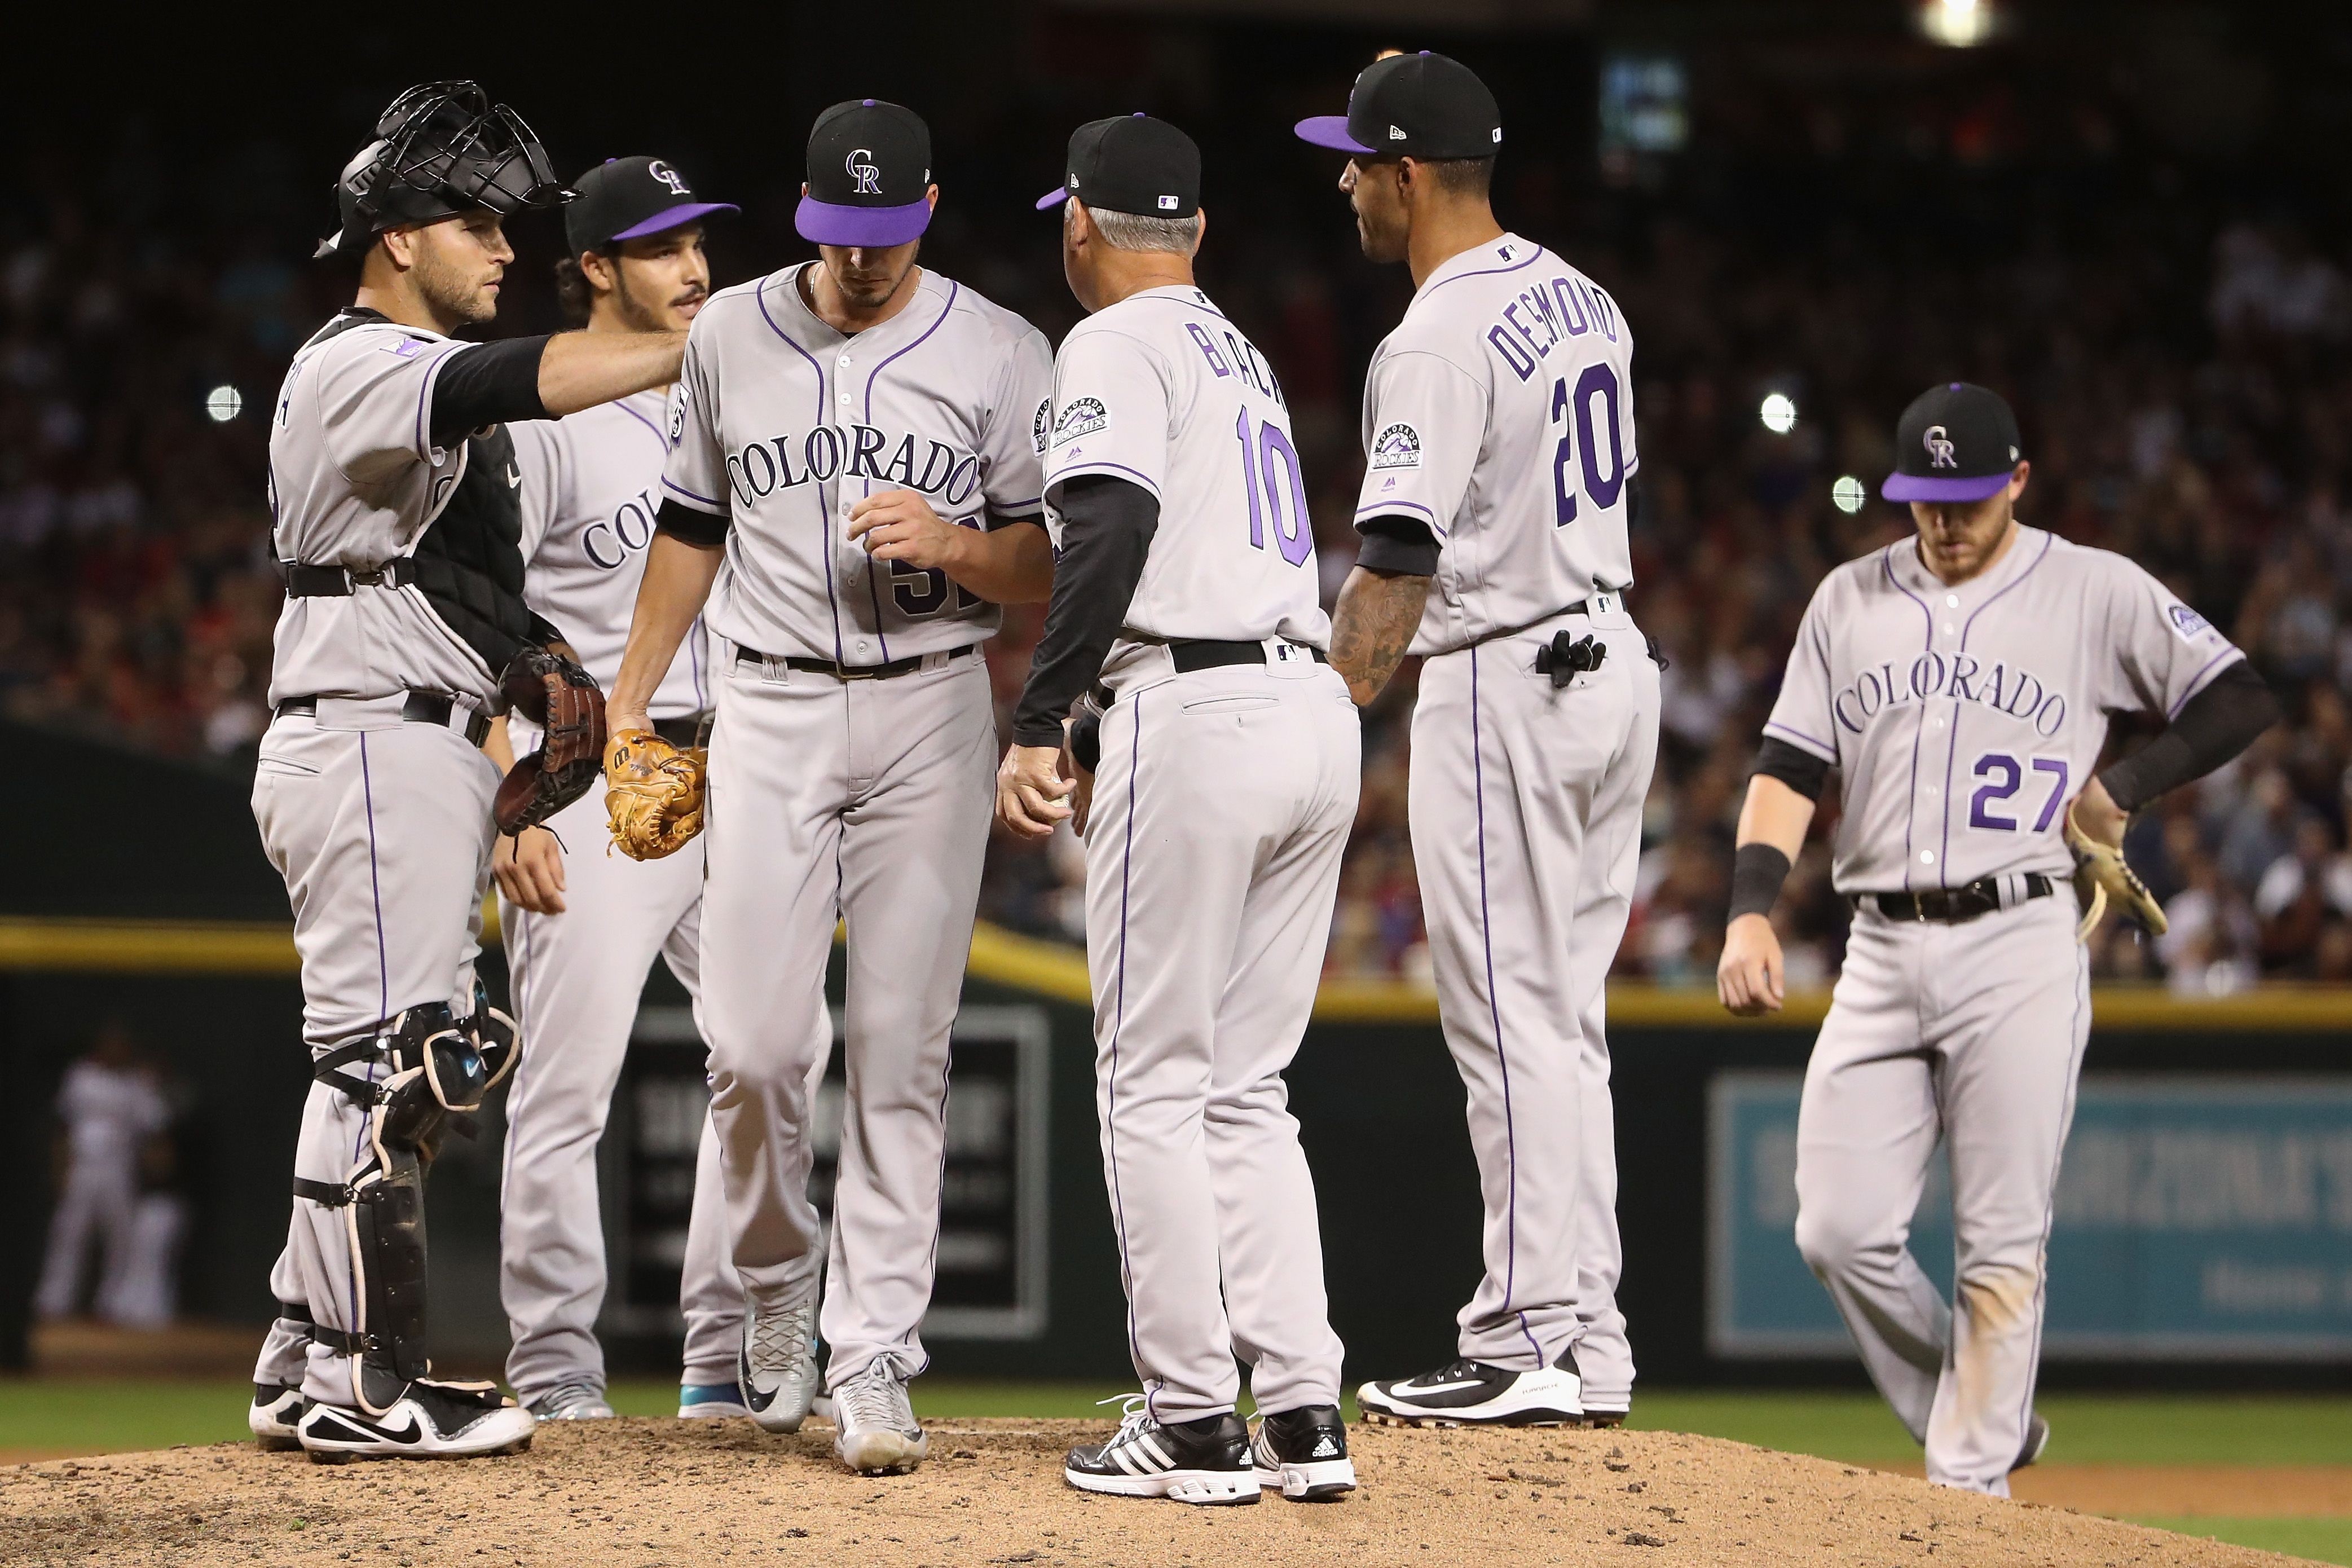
{"x":653,"y":792}
{"x":553,"y":692}
{"x":2100,"y":871}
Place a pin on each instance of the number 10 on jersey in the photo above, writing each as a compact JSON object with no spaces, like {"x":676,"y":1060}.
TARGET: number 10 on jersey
{"x":1270,"y":466}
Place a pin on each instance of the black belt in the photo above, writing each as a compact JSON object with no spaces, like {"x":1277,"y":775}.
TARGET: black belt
{"x":336,"y":582}
{"x":1205,"y":654}
{"x":416,"y":708}
{"x":883,"y":671}
{"x":1950,"y":905}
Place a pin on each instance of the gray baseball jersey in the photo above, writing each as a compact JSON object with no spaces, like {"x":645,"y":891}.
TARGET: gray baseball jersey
{"x":590,"y":484}
{"x":354,"y":478}
{"x":783,"y":424}
{"x":1964,"y":719}
{"x":1500,"y":412}
{"x":1161,"y":390}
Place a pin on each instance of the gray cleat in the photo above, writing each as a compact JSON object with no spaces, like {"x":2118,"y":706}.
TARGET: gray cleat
{"x":880,"y":1434}
{"x":777,"y":1365}
{"x":570,"y":1402}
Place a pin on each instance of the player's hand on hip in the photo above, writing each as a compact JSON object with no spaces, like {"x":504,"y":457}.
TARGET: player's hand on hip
{"x":1748,"y":977}
{"x":899,"y":525}
{"x":1031,"y":790}
{"x":530,"y":870}
{"x":2095,"y":811}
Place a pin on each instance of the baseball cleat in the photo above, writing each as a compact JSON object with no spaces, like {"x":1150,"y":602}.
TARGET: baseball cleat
{"x":880,"y":1434}
{"x":428,"y":1421}
{"x":1205,"y":1461}
{"x":710,"y":1402}
{"x":1605,"y":1412}
{"x":1303,"y":1454}
{"x":1472,"y":1393}
{"x":570,"y":1402}
{"x":776,"y":1368}
{"x":274,"y":1414}
{"x":2037,"y":1437}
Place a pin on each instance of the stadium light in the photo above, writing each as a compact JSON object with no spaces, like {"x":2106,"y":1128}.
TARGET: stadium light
{"x":1956,"y":24}
{"x":1848,"y":494}
{"x":1778,"y":413}
{"x":224,"y":404}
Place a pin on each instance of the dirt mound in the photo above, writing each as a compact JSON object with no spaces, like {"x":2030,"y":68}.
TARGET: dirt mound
{"x":634,"y":1494}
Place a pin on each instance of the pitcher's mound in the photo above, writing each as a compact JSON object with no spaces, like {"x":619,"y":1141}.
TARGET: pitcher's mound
{"x":629,"y":1494}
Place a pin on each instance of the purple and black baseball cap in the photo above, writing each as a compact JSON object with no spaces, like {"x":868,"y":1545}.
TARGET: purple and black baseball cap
{"x":1957,"y":442}
{"x":869,"y":175}
{"x":1413,"y":106}
{"x":629,"y":198}
{"x":1131,"y":164}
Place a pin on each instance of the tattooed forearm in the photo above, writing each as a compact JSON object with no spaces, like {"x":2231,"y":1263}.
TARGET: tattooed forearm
{"x":1372,"y":627}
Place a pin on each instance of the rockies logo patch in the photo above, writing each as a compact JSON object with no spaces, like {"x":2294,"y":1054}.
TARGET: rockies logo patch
{"x":2187,"y":621}
{"x":1040,"y":424}
{"x":1398,"y":447}
{"x":1083,"y":416}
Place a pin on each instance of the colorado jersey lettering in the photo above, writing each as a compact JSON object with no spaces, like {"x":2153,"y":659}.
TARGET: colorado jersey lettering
{"x":784,"y":424}
{"x":1500,"y":412}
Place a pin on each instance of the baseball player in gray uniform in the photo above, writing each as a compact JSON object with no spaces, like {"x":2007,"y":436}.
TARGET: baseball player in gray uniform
{"x":394,"y":522}
{"x":1960,"y":684}
{"x":1221,"y":799}
{"x":855,"y":487}
{"x":1498,"y":434}
{"x":582,"y":932}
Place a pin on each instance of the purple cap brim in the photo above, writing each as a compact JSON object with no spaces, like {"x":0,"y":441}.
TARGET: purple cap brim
{"x":1053,"y":198}
{"x":1920,"y":486}
{"x":673,"y":217}
{"x":833,"y":222}
{"x":1329,"y":130}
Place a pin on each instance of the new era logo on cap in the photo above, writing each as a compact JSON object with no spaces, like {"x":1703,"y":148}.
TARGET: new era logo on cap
{"x":1413,"y":106}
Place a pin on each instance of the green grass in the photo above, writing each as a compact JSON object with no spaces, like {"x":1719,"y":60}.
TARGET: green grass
{"x":2322,"y":1540}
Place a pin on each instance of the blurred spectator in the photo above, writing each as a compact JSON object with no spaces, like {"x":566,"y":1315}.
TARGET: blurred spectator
{"x":114,"y":1168}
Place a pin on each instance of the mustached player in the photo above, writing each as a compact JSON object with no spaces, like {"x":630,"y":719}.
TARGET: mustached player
{"x":1220,"y":802}
{"x":580,"y":930}
{"x":1960,"y":683}
{"x":1498,"y":432}
{"x":854,"y":487}
{"x":395,"y":523}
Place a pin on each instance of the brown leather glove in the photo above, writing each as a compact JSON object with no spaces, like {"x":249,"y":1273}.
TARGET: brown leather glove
{"x":553,"y":692}
{"x":652,"y":793}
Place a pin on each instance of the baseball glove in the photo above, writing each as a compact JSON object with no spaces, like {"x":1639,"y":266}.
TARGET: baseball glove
{"x":552,"y":691}
{"x":653,"y":792}
{"x":2100,"y":872}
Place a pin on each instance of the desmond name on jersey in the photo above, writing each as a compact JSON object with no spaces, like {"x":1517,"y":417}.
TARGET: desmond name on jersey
{"x":1542,"y":316}
{"x":2019,"y":694}
{"x":853,"y":452}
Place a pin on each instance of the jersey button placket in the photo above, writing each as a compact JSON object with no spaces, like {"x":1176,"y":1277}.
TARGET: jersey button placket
{"x":1948,"y":643}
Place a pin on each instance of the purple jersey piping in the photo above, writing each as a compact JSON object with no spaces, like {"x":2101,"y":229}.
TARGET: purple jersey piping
{"x":1486,"y":271}
{"x":1952,"y":755}
{"x":1886,"y":563}
{"x":1117,"y":1022}
{"x":873,"y":594}
{"x":1083,"y":469}
{"x":2082,"y":1035}
{"x":383,"y":1003}
{"x":621,"y":403}
{"x":2198,"y":681}
{"x":824,"y":514}
{"x":1796,"y":734}
{"x":1383,"y":508}
{"x":681,"y":490}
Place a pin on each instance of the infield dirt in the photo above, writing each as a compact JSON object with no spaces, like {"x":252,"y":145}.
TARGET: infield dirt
{"x":631,"y":1493}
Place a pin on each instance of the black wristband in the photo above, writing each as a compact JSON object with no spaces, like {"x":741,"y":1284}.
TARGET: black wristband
{"x":1757,"y":872}
{"x":696,"y":528}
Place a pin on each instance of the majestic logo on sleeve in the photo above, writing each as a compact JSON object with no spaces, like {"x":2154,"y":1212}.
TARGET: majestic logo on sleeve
{"x":669,"y":177}
{"x":1083,"y":416}
{"x":1939,"y":447}
{"x":861,"y":167}
{"x":2186,"y":622}
{"x":2016,"y":692}
{"x":1398,"y":447}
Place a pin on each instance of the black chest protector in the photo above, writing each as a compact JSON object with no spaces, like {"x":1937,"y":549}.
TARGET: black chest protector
{"x":469,"y":558}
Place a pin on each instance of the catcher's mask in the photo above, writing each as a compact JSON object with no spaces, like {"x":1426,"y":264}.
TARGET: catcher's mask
{"x":442,"y":148}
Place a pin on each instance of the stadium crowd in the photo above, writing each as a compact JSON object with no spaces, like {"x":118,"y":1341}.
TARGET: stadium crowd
{"x":2181,"y":383}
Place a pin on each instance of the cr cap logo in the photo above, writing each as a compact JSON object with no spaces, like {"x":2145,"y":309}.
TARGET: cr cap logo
{"x":861,"y":166}
{"x":669,"y":177}
{"x":1399,"y":447}
{"x":1939,"y":447}
{"x":1083,"y":416}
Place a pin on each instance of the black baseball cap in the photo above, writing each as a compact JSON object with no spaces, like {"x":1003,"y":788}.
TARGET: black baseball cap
{"x":1413,"y":106}
{"x":869,"y":175}
{"x":1956,"y":442}
{"x":1131,"y":164}
{"x":628,"y":198}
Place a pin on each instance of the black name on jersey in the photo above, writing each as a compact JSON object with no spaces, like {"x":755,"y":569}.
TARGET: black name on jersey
{"x":852,"y":452}
{"x":610,"y":544}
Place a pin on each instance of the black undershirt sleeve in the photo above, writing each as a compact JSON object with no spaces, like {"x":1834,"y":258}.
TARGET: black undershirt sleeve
{"x":1106,"y":529}
{"x":1793,"y":765}
{"x":492,"y":385}
{"x":1396,"y":545}
{"x":2213,"y":726}
{"x":682,"y":521}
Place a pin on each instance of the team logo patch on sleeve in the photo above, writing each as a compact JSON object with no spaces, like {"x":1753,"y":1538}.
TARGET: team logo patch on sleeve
{"x":1398,"y":447}
{"x":2187,"y":621}
{"x":678,"y":416}
{"x":1083,"y":416}
{"x":1041,"y":424}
